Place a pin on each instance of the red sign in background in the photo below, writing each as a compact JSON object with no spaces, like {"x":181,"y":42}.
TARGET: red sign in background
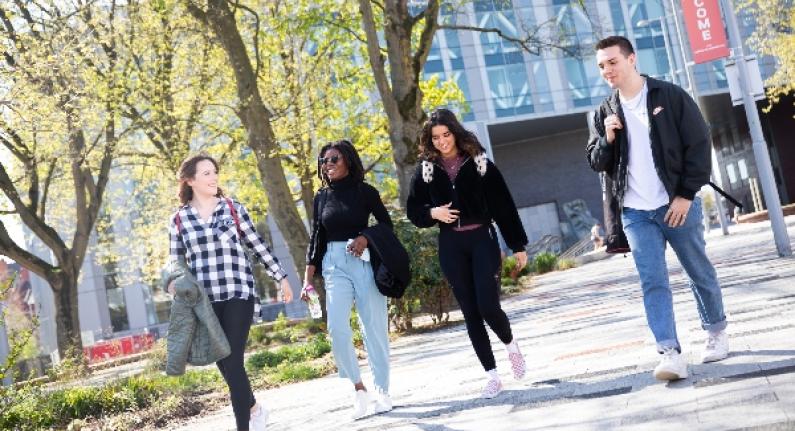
{"x":705,"y":30}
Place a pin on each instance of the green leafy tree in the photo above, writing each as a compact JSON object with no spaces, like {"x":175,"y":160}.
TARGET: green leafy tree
{"x":218,"y":16}
{"x":774,"y":35}
{"x":60,"y":130}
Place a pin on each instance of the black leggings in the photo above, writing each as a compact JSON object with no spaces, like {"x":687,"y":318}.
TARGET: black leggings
{"x":471,"y":262}
{"x":235,"y":317}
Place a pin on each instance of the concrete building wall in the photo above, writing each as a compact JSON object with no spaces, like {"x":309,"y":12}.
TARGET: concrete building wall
{"x":550,"y":169}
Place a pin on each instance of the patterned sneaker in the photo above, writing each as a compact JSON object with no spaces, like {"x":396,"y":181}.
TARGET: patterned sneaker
{"x":492,"y":389}
{"x":361,"y":400}
{"x":258,"y":419}
{"x":672,"y":366}
{"x":716,"y":348}
{"x":517,"y":360}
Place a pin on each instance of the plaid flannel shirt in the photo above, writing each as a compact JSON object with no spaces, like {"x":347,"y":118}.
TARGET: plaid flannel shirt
{"x":214,"y":252}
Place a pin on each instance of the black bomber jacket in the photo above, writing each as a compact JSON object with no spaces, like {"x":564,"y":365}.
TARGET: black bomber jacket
{"x":680,"y":146}
{"x":680,"y":141}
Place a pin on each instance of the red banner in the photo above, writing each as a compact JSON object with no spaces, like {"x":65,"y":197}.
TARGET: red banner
{"x":705,"y":30}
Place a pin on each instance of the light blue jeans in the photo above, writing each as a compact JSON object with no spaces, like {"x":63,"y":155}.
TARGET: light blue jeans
{"x":647,"y":235}
{"x":349,"y":279}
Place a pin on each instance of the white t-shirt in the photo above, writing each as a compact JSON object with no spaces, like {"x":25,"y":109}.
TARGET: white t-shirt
{"x":645,"y":191}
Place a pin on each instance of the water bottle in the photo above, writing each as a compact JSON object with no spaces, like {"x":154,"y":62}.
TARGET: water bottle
{"x":314,"y":302}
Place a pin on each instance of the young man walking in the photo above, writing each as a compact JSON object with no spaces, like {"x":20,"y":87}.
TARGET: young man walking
{"x":652,"y":142}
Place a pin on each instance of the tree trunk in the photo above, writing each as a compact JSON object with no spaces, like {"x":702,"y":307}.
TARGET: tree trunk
{"x":308,"y":196}
{"x":404,"y":135}
{"x":400,"y":90}
{"x":67,"y":316}
{"x":256,"y":119}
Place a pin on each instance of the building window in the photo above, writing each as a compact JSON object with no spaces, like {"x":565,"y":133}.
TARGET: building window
{"x":731,"y":173}
{"x":510,"y":90}
{"x":619,"y":26}
{"x":743,"y":169}
{"x":117,"y":306}
{"x":454,"y":51}
{"x":576,"y":25}
{"x":434,"y":62}
{"x":461,"y":81}
{"x":508,"y":81}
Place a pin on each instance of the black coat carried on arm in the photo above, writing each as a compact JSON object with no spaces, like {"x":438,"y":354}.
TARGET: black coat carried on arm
{"x":479,"y":193}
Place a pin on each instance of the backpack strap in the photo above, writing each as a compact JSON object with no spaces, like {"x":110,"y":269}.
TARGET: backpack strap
{"x":178,"y":222}
{"x":234,"y":216}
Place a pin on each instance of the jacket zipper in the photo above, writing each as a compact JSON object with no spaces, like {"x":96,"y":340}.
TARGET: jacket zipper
{"x":456,"y":177}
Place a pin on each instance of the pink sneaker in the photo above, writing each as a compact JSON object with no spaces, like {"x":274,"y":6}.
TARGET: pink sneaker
{"x":492,"y":389}
{"x":517,"y":362}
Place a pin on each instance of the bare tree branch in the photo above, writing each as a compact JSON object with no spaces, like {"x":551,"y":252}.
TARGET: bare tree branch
{"x":257,"y":61}
{"x":431,"y":16}
{"x":533,"y":43}
{"x":376,"y":58}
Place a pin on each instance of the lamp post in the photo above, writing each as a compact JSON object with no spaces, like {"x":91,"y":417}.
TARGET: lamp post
{"x":761,"y":154}
{"x":693,"y":90}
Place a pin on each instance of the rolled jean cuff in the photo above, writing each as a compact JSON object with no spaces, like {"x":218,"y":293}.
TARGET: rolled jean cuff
{"x":715,"y":327}
{"x":667,"y":344}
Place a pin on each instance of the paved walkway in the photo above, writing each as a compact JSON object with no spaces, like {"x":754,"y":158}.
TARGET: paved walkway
{"x":590,"y":357}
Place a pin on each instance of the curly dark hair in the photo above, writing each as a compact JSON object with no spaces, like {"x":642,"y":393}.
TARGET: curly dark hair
{"x":465,"y":140}
{"x":349,"y":154}
{"x":187,"y":172}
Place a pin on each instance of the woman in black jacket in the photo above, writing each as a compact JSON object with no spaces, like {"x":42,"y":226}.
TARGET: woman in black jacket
{"x":457,"y":188}
{"x":339,"y":246}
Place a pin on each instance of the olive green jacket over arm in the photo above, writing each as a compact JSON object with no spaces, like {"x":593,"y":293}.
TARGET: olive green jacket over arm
{"x":194,"y":334}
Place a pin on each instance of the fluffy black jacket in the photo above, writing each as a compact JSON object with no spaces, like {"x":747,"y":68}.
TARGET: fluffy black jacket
{"x":479,"y":193}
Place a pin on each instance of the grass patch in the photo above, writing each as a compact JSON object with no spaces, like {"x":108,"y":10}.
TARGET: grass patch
{"x":317,"y":347}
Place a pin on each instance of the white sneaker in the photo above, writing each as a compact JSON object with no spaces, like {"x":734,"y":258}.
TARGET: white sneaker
{"x":258,"y":419}
{"x":361,"y":400}
{"x":383,"y":403}
{"x":672,"y":366}
{"x":716,"y":348}
{"x":492,"y":389}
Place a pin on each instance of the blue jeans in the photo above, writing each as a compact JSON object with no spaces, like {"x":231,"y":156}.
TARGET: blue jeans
{"x":348,"y":279}
{"x":647,"y":235}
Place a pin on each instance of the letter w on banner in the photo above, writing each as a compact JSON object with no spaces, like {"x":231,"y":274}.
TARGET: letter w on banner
{"x":705,"y":30}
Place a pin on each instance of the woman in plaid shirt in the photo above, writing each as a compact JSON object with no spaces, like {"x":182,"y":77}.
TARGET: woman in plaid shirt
{"x":209,"y":231}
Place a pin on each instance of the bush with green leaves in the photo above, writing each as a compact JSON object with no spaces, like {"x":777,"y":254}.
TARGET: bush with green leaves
{"x":428,"y":291}
{"x":282,"y":331}
{"x":317,"y":347}
{"x":564,"y":264}
{"x":509,"y":275}
{"x":545,"y":262}
{"x":31,"y":407}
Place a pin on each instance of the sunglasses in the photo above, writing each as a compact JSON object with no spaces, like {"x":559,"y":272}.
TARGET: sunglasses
{"x":333,"y":160}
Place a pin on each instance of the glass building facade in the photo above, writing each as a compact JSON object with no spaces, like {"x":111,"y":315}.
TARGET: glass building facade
{"x":500,"y":80}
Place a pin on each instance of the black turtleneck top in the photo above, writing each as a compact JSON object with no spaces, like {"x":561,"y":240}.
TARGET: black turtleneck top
{"x":347,"y":206}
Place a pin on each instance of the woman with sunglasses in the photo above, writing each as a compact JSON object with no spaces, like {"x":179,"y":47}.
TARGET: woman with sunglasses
{"x":457,"y":188}
{"x":342,"y":209}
